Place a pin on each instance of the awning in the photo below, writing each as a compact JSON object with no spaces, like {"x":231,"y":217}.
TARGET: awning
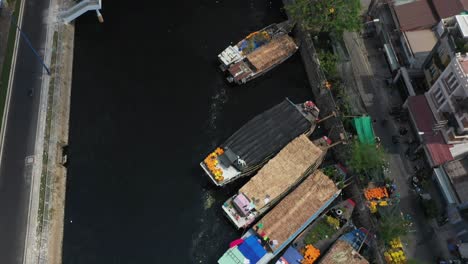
{"x":445,"y":186}
{"x":292,"y":256}
{"x":363,"y":126}
{"x":232,"y":256}
{"x":391,"y":56}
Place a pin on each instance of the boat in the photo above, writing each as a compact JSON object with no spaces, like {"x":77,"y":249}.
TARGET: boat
{"x":321,"y":234}
{"x":282,"y":173}
{"x":253,"y":41}
{"x":250,"y":147}
{"x":262,"y":59}
{"x":282,"y":224}
{"x":346,"y":249}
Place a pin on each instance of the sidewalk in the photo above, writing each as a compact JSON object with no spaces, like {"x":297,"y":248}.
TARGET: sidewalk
{"x":370,"y":72}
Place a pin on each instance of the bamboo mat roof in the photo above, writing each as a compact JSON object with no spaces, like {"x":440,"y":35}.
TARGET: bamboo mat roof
{"x":282,"y":171}
{"x":294,"y":210}
{"x":342,"y":252}
{"x":272,"y":53}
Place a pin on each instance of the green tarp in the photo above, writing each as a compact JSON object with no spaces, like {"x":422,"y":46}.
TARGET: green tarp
{"x":363,"y":126}
{"x":232,"y":256}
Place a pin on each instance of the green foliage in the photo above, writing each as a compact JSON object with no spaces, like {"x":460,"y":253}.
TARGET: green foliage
{"x":366,"y":158}
{"x":326,"y":15}
{"x":392,"y":226}
{"x":330,"y":171}
{"x":328,"y":62}
{"x":322,"y":230}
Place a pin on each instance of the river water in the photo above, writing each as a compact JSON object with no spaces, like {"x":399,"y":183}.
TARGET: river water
{"x":148,"y":104}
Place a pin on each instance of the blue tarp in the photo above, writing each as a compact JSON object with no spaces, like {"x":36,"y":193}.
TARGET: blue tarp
{"x":354,"y":238}
{"x":252,"y":249}
{"x":292,"y":256}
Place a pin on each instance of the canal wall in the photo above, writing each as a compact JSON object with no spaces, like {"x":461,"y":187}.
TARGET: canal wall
{"x":323,"y":97}
{"x":47,"y":202}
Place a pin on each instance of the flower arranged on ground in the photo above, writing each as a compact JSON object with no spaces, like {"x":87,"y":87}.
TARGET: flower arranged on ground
{"x":311,"y":254}
{"x":211,"y":163}
{"x":376,"y":193}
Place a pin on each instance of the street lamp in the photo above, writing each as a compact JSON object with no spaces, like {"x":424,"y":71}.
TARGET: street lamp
{"x":372,"y":21}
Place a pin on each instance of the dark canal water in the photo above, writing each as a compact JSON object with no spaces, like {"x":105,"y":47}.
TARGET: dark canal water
{"x":148,"y":103}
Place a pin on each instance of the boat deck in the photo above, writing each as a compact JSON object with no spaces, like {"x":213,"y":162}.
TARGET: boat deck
{"x":238,"y":220}
{"x":229,"y":173}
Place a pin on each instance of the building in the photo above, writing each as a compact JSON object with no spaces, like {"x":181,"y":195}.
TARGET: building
{"x":448,"y":98}
{"x":453,"y":38}
{"x":414,"y":22}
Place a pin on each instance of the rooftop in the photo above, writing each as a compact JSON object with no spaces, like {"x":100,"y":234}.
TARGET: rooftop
{"x":448,"y":8}
{"x":415,"y":16}
{"x":286,"y":218}
{"x":281,"y":172}
{"x":463,"y":60}
{"x":423,"y":117}
{"x":457,"y":171}
{"x":421,"y":40}
{"x":342,"y":252}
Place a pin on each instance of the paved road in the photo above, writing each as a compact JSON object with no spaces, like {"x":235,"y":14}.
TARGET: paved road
{"x":370,"y":71}
{"x":15,"y":176}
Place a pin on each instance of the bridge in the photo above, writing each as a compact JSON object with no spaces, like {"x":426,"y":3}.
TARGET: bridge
{"x":80,"y":8}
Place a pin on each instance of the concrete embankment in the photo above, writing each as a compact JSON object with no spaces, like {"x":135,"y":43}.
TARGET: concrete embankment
{"x":46,"y":213}
{"x":323,"y":96}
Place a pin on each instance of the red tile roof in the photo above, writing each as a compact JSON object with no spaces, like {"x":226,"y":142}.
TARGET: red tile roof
{"x":421,"y":112}
{"x":448,"y":8}
{"x":438,"y":150}
{"x":415,"y":16}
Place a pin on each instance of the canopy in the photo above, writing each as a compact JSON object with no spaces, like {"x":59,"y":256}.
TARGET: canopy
{"x":364,"y":129}
{"x":292,"y":256}
{"x":252,"y":249}
{"x":232,"y":256}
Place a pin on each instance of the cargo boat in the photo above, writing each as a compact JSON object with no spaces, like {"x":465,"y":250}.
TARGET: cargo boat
{"x":253,"y":41}
{"x":346,"y":249}
{"x":321,"y":234}
{"x":262,"y":60}
{"x":250,"y":147}
{"x":272,"y":182}
{"x":284,"y":222}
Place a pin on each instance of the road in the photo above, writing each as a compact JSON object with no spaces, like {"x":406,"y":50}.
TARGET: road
{"x":370,"y":71}
{"x":20,"y":135}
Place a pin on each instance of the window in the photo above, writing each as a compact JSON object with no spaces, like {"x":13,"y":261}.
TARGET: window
{"x":438,"y":96}
{"x":432,"y":70}
{"x":451,"y":82}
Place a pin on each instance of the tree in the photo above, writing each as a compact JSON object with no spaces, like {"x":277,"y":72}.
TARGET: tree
{"x":328,"y":63}
{"x":326,"y":15}
{"x":392,"y":226}
{"x":366,"y":158}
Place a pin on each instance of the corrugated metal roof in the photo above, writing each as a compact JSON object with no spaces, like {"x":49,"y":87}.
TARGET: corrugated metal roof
{"x":448,"y":8}
{"x":438,"y":150}
{"x":414,"y":16}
